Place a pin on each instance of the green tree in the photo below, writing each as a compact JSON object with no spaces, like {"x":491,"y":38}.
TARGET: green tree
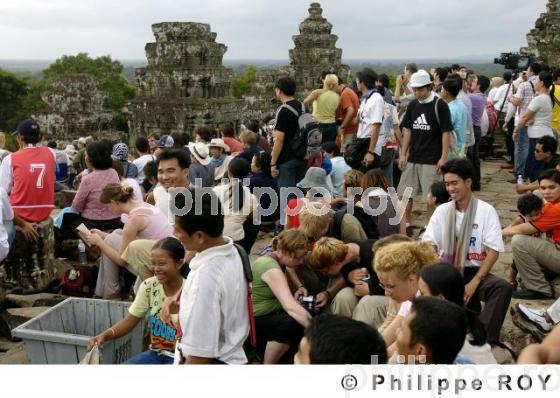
{"x":242,"y":83}
{"x":13,"y":92}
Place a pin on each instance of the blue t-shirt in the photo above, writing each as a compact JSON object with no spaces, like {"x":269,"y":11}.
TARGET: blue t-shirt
{"x":459,"y":119}
{"x":339,"y":168}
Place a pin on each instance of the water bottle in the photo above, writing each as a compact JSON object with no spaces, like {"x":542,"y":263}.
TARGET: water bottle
{"x":520,"y":179}
{"x":82,"y":256}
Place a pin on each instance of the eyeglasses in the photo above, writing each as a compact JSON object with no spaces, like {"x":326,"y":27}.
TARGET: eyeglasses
{"x":388,"y":289}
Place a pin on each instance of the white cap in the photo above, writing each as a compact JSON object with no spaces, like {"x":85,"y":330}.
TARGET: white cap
{"x":420,"y":79}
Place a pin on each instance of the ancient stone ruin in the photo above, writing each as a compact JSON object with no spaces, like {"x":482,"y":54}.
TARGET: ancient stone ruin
{"x":544,"y":40}
{"x":184,"y":84}
{"x":75,"y":108}
{"x":315,"y":51}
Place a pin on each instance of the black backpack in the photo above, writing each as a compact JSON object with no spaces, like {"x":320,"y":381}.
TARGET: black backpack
{"x":306,"y":142}
{"x":366,"y":221}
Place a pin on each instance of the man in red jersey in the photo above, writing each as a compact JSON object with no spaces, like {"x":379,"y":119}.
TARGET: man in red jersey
{"x":28,"y":176}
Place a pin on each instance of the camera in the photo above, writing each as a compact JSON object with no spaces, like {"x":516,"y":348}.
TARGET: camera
{"x":515,"y":61}
{"x":308,"y":302}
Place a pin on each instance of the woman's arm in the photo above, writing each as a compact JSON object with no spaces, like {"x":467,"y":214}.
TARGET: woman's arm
{"x":390,"y":334}
{"x":79,"y":202}
{"x":122,"y":328}
{"x":522,"y":229}
{"x":528,"y":115}
{"x":309,"y":99}
{"x":277,"y":282}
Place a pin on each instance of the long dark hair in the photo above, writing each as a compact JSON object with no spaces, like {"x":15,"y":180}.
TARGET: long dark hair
{"x":444,"y":279}
{"x":239,"y":169}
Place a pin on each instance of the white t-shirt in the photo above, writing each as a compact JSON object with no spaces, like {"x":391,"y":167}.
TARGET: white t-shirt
{"x":405,"y":307}
{"x":486,"y":231}
{"x":541,"y":105}
{"x":233,"y":221}
{"x":500,"y":97}
{"x":370,"y":113}
{"x":6,"y":215}
{"x":140,"y":163}
{"x":213,"y":308}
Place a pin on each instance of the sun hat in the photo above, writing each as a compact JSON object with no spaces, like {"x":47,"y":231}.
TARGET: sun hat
{"x":166,"y":141}
{"x":200,"y":151}
{"x":315,"y":177}
{"x":219,"y":143}
{"x":420,"y":79}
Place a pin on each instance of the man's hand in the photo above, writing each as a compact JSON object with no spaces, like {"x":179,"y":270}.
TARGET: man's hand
{"x":357,"y":275}
{"x":402,"y":162}
{"x":470,"y":288}
{"x":274,"y":171}
{"x":368,"y":159}
{"x":361,"y":289}
{"x":99,"y":340}
{"x":440,"y":164}
{"x":169,"y":307}
{"x":29,"y":231}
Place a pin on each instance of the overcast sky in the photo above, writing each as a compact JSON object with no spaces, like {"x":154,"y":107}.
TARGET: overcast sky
{"x":259,"y":29}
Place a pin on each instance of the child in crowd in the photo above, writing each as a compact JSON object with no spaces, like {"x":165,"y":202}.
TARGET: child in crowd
{"x":167,"y":260}
{"x":529,"y":207}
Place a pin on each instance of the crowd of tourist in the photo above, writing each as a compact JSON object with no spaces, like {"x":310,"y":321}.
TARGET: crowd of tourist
{"x":335,"y":283}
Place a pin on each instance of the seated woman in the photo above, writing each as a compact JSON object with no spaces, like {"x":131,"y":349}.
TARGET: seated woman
{"x":262,"y":178}
{"x":444,"y":281}
{"x":141,"y":221}
{"x":239,"y":205}
{"x":220,"y":158}
{"x":279,"y":318}
{"x":90,"y":211}
{"x":167,"y":260}
{"x":375,"y":196}
{"x":398,"y":266}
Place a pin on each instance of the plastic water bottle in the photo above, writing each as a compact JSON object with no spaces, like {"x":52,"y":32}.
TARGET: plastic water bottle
{"x":520,"y":179}
{"x":82,"y":256}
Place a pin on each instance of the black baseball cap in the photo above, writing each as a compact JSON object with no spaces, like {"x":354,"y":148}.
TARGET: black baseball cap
{"x":28,"y":128}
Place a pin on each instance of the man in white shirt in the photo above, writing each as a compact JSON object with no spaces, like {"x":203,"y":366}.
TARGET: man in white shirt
{"x":7,"y":228}
{"x":142,"y":146}
{"x":370,"y":118}
{"x":213,"y":309}
{"x":480,"y":250}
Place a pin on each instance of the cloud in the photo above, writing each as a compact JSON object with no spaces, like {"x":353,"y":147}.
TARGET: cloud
{"x":46,"y":29}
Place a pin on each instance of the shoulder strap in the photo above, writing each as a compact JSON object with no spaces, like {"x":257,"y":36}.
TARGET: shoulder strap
{"x":533,"y":87}
{"x":290,"y":108}
{"x":249,"y":279}
{"x":437,"y":111}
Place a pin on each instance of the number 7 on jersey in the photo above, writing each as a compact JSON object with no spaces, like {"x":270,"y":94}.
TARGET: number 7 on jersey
{"x":41,"y":167}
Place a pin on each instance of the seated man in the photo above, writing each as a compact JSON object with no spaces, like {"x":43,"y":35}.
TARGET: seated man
{"x":546,"y":157}
{"x":335,"y":340}
{"x":532,"y":255}
{"x":432,"y":333}
{"x":28,"y":176}
{"x":466,"y":233}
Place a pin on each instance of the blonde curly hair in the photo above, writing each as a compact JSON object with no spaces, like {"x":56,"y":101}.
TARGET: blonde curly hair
{"x":405,"y":259}
{"x":314,"y":218}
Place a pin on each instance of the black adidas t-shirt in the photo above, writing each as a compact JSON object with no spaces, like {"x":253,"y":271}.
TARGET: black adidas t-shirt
{"x":425,"y":142}
{"x":287,"y":122}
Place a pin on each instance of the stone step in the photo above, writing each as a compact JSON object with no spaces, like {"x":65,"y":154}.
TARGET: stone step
{"x":13,"y":317}
{"x":33,"y":300}
{"x":15,"y":356}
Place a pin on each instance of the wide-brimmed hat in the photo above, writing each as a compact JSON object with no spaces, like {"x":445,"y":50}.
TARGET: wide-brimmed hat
{"x":166,"y":141}
{"x":200,"y":151}
{"x":315,"y":177}
{"x":219,"y":143}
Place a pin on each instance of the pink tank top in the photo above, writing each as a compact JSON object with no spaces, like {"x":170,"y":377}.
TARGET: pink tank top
{"x":158,"y":226}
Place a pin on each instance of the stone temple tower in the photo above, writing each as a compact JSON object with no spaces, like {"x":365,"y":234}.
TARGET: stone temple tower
{"x":544,"y":40}
{"x":315,"y":51}
{"x":185,"y":84}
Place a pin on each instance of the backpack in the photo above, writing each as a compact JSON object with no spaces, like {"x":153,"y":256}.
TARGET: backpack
{"x":78,"y":281}
{"x":306,"y":142}
{"x":366,"y":221}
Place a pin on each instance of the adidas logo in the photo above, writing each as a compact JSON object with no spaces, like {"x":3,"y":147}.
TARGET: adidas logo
{"x":421,"y":123}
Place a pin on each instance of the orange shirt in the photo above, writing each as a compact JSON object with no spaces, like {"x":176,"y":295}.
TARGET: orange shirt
{"x":549,"y":221}
{"x":348,"y":98}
